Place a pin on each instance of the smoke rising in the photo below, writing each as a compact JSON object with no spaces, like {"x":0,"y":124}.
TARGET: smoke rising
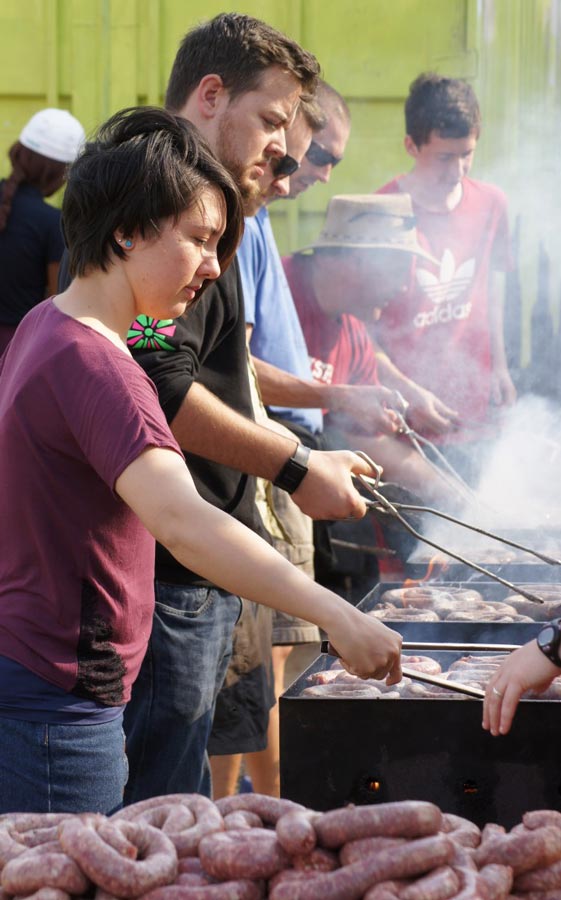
{"x":519,"y":489}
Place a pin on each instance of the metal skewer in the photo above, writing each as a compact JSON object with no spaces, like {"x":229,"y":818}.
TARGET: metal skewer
{"x":450,"y":476}
{"x":443,"y":683}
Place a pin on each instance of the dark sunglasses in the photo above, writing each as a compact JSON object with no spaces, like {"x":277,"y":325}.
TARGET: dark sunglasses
{"x":319,"y":156}
{"x":284,"y":166}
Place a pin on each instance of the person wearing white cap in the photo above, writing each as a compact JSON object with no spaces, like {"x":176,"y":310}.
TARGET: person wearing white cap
{"x":31,"y":243}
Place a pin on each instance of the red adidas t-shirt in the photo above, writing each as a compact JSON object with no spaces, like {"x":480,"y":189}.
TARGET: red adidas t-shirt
{"x":438,"y":332}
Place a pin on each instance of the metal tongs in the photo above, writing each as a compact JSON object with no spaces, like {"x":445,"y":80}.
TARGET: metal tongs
{"x":444,"y":470}
{"x":382,"y":504}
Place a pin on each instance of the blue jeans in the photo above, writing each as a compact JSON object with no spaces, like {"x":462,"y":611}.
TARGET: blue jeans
{"x":169,"y":716}
{"x":61,"y":768}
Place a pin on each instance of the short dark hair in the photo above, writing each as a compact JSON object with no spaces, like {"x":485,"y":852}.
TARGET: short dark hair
{"x":238,"y":48}
{"x":332,"y":102}
{"x":445,"y":105}
{"x":143,"y":166}
{"x":314,"y":115}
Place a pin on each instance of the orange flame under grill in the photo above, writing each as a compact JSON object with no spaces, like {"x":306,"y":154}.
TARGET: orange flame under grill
{"x":436,"y":567}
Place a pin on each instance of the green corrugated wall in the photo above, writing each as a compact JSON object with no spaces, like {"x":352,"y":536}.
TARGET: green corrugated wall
{"x":96,"y":56}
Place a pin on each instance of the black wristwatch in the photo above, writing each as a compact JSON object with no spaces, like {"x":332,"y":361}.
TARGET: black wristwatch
{"x":549,"y":639}
{"x":294,"y":469}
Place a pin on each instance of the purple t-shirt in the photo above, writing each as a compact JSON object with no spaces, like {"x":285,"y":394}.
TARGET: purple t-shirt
{"x":77,"y":565}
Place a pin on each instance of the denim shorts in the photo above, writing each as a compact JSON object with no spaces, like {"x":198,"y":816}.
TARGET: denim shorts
{"x":241,"y":716}
{"x":61,"y":768}
{"x":169,"y":716}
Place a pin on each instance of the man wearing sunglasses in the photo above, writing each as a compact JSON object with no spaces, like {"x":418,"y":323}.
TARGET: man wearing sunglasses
{"x":328,"y":145}
{"x":248,"y":679}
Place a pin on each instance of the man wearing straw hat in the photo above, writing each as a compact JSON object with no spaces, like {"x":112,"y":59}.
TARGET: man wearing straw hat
{"x":340,"y":283}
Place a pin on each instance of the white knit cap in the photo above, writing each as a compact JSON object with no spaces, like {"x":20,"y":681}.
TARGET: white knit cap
{"x":53,"y":133}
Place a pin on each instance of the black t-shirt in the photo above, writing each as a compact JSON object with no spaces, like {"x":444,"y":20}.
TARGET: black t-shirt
{"x":207,"y":344}
{"x":31,"y":240}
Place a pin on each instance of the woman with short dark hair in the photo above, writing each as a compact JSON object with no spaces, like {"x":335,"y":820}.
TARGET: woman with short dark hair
{"x":91,"y":473}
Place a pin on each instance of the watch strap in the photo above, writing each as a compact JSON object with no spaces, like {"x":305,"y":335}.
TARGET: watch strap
{"x":294,"y":470}
{"x":550,"y":648}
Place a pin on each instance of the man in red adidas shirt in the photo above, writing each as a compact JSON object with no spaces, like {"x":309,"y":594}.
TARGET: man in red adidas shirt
{"x":444,"y":335}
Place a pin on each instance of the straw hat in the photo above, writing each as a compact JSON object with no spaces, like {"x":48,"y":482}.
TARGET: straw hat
{"x":370,"y":221}
{"x":53,"y":133}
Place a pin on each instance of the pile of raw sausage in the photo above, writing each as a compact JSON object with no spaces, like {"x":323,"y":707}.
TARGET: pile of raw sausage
{"x":249,"y":846}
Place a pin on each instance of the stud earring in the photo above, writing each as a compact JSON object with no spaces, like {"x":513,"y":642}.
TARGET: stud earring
{"x":128,"y":243}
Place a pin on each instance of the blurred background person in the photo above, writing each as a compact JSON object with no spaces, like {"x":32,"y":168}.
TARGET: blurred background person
{"x":444,"y":336}
{"x":31,"y":243}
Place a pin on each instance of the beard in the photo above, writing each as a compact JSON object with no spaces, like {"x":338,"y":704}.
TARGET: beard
{"x":250,"y":189}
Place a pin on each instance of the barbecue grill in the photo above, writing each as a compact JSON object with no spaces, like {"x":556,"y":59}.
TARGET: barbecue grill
{"x":343,"y":750}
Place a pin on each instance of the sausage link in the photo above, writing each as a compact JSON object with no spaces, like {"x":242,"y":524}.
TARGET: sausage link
{"x":46,"y":865}
{"x":471,"y":888}
{"x":47,"y":893}
{"x":440,"y":884}
{"x":543,"y":878}
{"x":253,"y":853}
{"x":387,"y":890}
{"x":406,"y":818}
{"x":114,"y":873}
{"x":351,"y":882}
{"x":497,"y":879}
{"x":296,"y":833}
{"x":135,"y":810}
{"x":189,"y":864}
{"x":462,"y":830}
{"x":193,"y":879}
{"x":354,"y":850}
{"x":22,"y":822}
{"x":116,"y":838}
{"x":9,"y":847}
{"x":535,"y":818}
{"x":21,"y":830}
{"x":242,"y":818}
{"x":535,"y":895}
{"x":319,"y":860}
{"x":185,"y":818}
{"x":533,"y":850}
{"x":269,"y":809}
{"x":491,"y":830}
{"x":242,"y":889}
{"x":292,"y":876}
{"x":463,"y":857}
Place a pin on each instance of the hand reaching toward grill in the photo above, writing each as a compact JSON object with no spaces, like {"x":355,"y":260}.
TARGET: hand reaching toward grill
{"x":370,"y":407}
{"x":427,"y":413}
{"x":524,"y":670}
{"x":503,"y":392}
